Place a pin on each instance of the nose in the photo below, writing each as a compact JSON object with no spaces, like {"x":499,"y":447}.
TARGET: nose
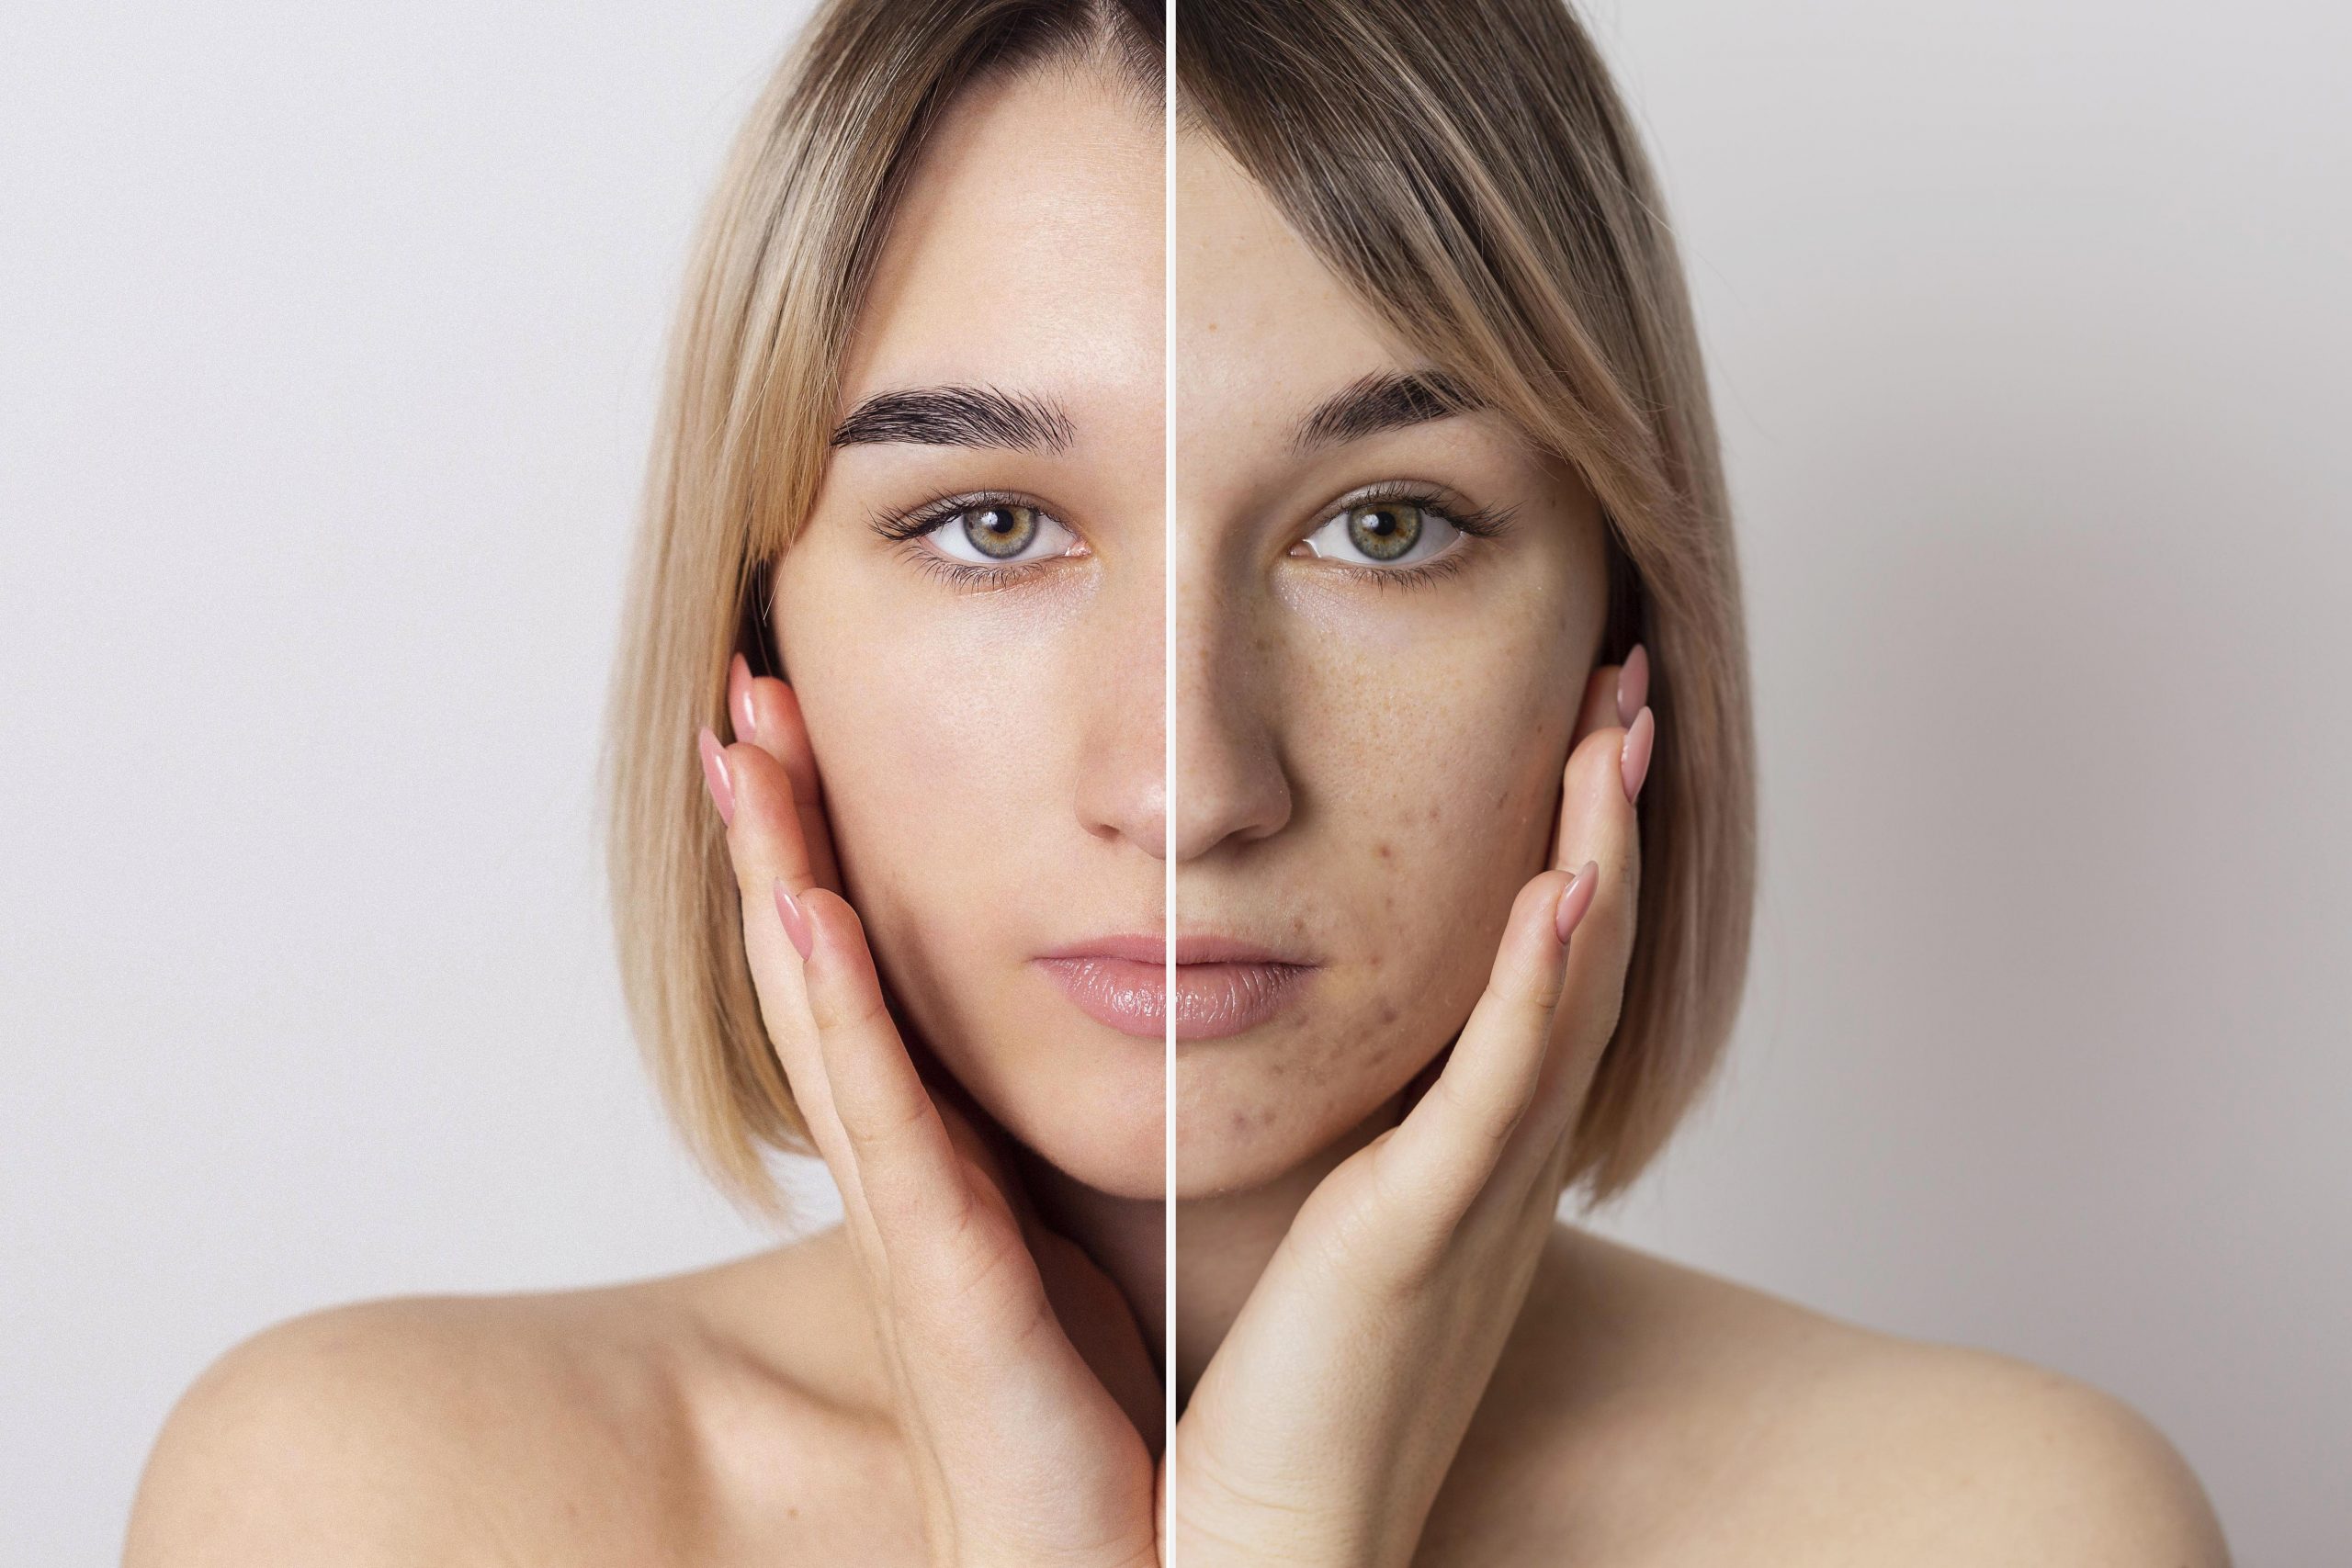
{"x":1231,"y":787}
{"x":1122,"y":694}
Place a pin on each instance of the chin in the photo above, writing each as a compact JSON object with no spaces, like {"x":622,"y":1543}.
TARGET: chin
{"x":1119,"y":1150}
{"x":1093,"y":1106}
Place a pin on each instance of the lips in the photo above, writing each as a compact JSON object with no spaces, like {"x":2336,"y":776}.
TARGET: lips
{"x":1224,"y":987}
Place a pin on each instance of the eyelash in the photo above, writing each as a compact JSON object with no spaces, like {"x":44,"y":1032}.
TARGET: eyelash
{"x":908,"y":528}
{"x":1477,"y":523}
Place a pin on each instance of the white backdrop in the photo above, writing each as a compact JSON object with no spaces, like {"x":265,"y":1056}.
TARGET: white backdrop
{"x":328,"y":340}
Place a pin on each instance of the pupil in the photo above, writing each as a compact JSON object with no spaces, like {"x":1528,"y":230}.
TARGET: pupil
{"x":1386,"y":532}
{"x":1002,"y":532}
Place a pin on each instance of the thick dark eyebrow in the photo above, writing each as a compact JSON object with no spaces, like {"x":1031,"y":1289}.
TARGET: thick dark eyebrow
{"x":1381,"y":402}
{"x":957,"y":416}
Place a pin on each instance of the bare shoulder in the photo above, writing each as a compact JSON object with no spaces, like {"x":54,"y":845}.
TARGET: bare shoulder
{"x":1971,"y":1456}
{"x":1670,"y":1416}
{"x":580,"y":1427}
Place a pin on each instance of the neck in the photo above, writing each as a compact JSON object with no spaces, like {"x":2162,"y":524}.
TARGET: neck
{"x":1224,"y":1242}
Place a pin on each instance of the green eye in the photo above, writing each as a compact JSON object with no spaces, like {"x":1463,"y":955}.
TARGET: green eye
{"x":1384,"y":530}
{"x":1001,"y":533}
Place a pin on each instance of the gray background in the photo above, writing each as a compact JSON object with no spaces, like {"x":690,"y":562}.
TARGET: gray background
{"x":328,"y":338}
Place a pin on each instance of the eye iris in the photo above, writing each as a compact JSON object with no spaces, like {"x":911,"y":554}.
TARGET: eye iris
{"x":1001,"y":531}
{"x":1384,"y":531}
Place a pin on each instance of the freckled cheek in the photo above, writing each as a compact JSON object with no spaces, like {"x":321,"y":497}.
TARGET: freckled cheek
{"x":1438,"y":782}
{"x":1439,"y":770}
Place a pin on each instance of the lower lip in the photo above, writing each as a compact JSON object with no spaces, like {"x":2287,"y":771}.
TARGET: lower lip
{"x":1212,"y":1001}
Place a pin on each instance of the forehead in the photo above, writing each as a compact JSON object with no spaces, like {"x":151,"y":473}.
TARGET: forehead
{"x":1265,"y":325}
{"x":1027,"y":247}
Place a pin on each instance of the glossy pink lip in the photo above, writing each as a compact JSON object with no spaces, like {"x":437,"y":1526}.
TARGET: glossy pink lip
{"x":1223,"y":985}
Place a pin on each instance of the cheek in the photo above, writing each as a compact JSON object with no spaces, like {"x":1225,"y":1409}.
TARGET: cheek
{"x":930,"y":741}
{"x":1438,"y":782}
{"x":1437,"y":768}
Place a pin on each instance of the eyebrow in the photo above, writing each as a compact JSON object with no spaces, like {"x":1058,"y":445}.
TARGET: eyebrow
{"x":957,"y":416}
{"x":1381,"y":402}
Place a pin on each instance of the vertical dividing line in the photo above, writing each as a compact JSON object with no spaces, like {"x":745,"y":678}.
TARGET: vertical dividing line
{"x":1168,"y":784}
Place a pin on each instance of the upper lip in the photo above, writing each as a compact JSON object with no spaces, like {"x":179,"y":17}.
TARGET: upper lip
{"x":1199,"y":948}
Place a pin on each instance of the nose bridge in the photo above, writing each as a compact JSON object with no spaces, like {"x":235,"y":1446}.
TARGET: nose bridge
{"x":1120,"y":686}
{"x":1230,"y":783}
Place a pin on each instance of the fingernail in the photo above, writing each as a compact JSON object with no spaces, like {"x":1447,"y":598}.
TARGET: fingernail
{"x":1635,"y":758}
{"x":1575,"y":900}
{"x":1632,"y":684}
{"x":739,"y":694}
{"x":795,"y":924}
{"x":714,"y":773}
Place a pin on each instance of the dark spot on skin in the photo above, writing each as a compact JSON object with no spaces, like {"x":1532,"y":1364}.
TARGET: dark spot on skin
{"x":1252,"y":1119}
{"x":1383,"y":851}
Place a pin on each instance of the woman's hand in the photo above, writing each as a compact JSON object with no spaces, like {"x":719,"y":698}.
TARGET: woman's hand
{"x":1321,"y":1428}
{"x":1025,"y":1450}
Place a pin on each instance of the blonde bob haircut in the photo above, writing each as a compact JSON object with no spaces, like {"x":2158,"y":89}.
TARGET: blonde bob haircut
{"x":779,"y":268}
{"x":1467,"y":171}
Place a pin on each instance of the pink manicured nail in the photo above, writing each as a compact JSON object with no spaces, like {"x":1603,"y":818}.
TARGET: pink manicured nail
{"x":795,"y":924}
{"x":1635,"y":758}
{"x":738,"y":694}
{"x":1575,"y":900}
{"x":714,"y":773}
{"x":1632,"y":684}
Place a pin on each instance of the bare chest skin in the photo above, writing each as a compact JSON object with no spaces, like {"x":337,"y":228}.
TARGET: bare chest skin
{"x":1644,"y":1415}
{"x":1622,"y":1429}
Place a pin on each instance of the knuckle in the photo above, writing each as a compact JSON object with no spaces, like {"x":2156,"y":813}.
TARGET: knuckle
{"x":886,"y":1127}
{"x":833,"y":1012}
{"x":1488,"y":1118}
{"x":1540,"y":997}
{"x":1617,"y":908}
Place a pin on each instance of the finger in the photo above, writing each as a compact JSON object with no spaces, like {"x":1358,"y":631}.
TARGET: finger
{"x":1613,"y":693}
{"x":1447,"y":1147}
{"x":908,"y":1169}
{"x":764,"y":846}
{"x":1598,"y":825}
{"x":966,"y":1291}
{"x":1598,"y":709}
{"x":766,"y":713}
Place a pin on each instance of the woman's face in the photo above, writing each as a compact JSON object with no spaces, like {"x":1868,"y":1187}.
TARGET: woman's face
{"x":985,"y":699}
{"x":1385,"y":624}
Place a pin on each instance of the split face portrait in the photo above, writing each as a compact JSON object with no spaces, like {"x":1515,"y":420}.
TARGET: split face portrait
{"x":1184,"y":732}
{"x":1445,"y":509}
